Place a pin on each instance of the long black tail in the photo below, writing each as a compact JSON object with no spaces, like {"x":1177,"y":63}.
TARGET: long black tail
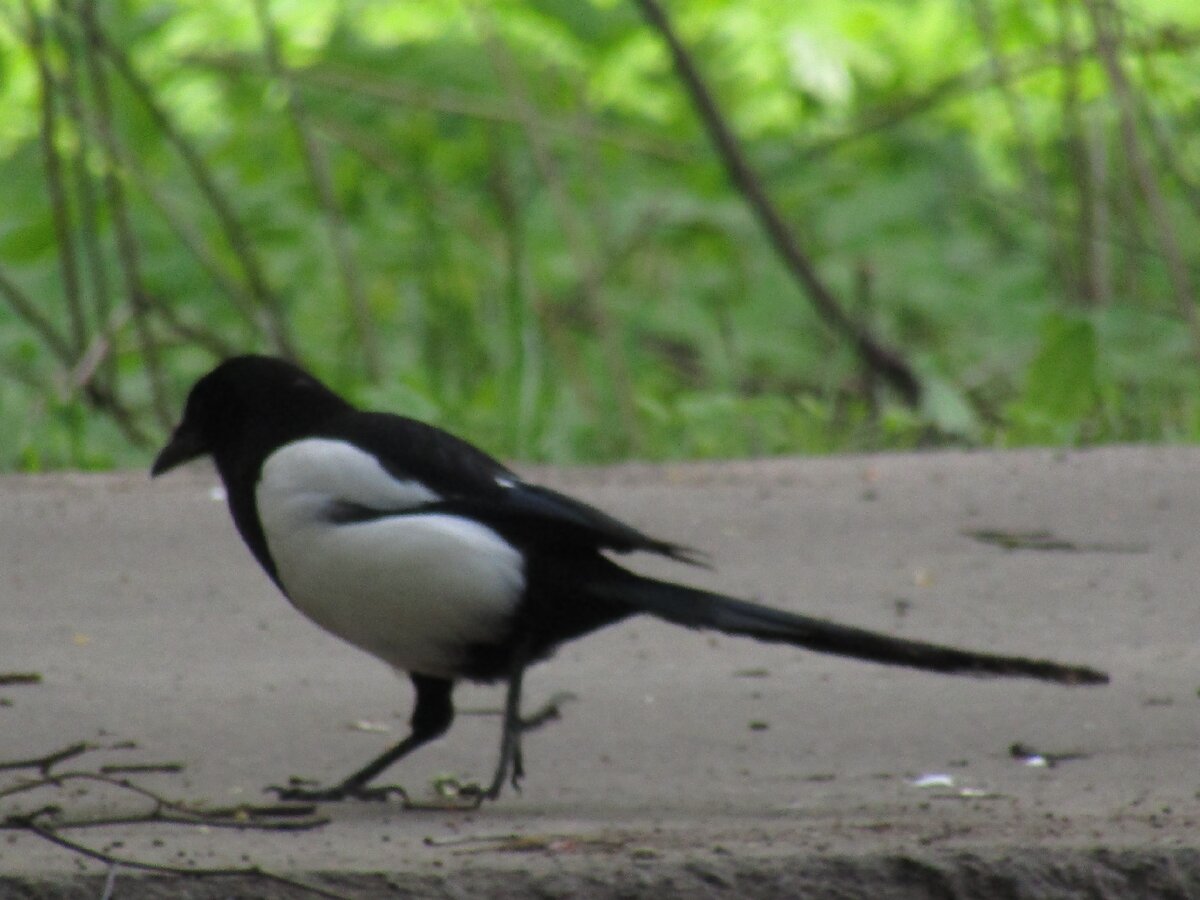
{"x":701,"y":609}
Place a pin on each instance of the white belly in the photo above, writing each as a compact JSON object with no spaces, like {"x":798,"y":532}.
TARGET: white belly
{"x":415,"y":590}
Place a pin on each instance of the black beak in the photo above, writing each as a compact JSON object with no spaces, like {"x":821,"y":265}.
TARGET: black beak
{"x":184,"y":446}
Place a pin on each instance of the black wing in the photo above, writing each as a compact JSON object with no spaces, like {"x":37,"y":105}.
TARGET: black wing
{"x":473,"y":484}
{"x":537,"y":516}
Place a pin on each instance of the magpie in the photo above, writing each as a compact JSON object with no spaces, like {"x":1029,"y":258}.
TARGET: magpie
{"x":423,"y":550}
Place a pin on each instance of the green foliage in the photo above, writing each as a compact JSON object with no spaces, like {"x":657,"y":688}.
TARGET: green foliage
{"x":506,"y":218}
{"x":1061,"y":385}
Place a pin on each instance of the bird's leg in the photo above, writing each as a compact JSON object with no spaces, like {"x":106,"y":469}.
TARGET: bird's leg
{"x":511,"y":759}
{"x":432,"y":715}
{"x":549,"y":712}
{"x":511,"y":765}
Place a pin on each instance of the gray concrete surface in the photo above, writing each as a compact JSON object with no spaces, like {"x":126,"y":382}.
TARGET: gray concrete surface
{"x":690,"y":764}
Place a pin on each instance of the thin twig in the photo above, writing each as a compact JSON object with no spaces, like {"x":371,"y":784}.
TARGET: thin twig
{"x":1169,"y":156}
{"x":140,"y":768}
{"x":127,"y":248}
{"x":1026,"y":143}
{"x":110,"y":882}
{"x":194,"y":242}
{"x":464,"y":103}
{"x":11,"y":678}
{"x":45,"y":763}
{"x":30,"y":825}
{"x":288,"y":817}
{"x":22,"y":304}
{"x":892,"y":367}
{"x":100,"y":396}
{"x":1084,"y":283}
{"x":1105,"y":24}
{"x":59,"y":207}
{"x":511,"y":214}
{"x":447,"y":100}
{"x":578,"y":243}
{"x":103,"y":399}
{"x":48,"y":821}
{"x":85,"y":190}
{"x":274,"y":318}
{"x":1018,"y":65}
{"x":317,"y":166}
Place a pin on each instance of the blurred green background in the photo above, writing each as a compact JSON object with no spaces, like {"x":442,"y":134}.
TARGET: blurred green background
{"x":508,"y":218}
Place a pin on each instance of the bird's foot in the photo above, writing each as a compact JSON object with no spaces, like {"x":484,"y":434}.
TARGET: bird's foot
{"x":510,"y":769}
{"x":476,"y":794}
{"x":306,"y":790}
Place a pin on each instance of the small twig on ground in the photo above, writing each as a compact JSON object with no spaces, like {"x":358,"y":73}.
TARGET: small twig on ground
{"x":48,"y":821}
{"x":10,"y":678}
{"x":140,"y":768}
{"x":30,"y":825}
{"x":45,"y":763}
{"x":282,"y":817}
{"x":1047,"y":540}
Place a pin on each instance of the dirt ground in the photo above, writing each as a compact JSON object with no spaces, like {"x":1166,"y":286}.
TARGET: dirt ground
{"x":687,"y":764}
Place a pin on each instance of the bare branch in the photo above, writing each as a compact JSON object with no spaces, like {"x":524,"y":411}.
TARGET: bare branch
{"x":27,"y":309}
{"x":127,"y":248}
{"x":1169,"y":157}
{"x":1076,"y":149}
{"x":47,"y":822}
{"x":1018,"y":66}
{"x":48,"y":761}
{"x":578,"y":242}
{"x":1106,"y":23}
{"x":31,"y":825}
{"x":451,"y":101}
{"x":1026,"y":143}
{"x":207,"y":338}
{"x":274,"y":318}
{"x":318,"y":172}
{"x":59,"y":207}
{"x":85,"y":190}
{"x":888,"y":362}
{"x":194,"y":242}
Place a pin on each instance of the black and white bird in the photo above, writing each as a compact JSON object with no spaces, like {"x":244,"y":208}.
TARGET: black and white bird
{"x":423,"y":550}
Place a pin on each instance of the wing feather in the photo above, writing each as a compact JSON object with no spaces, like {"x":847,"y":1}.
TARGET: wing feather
{"x":471,"y":483}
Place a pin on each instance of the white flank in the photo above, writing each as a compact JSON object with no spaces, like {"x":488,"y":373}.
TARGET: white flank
{"x":412,"y":589}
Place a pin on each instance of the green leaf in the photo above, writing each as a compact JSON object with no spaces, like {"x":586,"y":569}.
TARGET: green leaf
{"x":1061,"y":382}
{"x":949,"y":410}
{"x":29,"y":242}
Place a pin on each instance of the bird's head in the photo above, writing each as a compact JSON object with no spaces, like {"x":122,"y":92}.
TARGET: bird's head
{"x":247,"y":405}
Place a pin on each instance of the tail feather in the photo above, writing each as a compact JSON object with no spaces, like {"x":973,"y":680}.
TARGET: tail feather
{"x":695,"y":608}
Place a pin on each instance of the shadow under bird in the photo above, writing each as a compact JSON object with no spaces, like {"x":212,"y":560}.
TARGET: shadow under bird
{"x":423,"y":550}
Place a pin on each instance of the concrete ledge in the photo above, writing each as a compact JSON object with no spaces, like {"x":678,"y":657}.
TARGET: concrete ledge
{"x":690,"y":764}
{"x":1019,"y":873}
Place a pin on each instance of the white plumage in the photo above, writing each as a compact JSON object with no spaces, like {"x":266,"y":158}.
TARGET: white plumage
{"x":414,"y":589}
